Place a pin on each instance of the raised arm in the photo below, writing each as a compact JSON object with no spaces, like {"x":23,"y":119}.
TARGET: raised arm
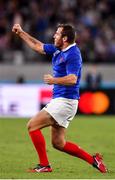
{"x":31,"y":41}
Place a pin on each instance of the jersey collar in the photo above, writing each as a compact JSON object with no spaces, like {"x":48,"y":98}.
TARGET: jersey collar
{"x":69,"y":47}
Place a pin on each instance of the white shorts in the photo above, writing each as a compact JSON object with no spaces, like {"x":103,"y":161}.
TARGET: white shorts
{"x":62,"y":110}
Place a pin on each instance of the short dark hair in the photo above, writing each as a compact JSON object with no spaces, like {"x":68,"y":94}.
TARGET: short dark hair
{"x":69,"y":31}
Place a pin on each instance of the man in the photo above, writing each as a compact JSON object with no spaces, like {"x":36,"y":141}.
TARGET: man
{"x":93,"y":79}
{"x":67,"y":64}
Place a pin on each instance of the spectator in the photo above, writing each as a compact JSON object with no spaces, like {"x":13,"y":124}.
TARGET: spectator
{"x":94,"y":21}
{"x":93,"y":79}
{"x":20,"y":79}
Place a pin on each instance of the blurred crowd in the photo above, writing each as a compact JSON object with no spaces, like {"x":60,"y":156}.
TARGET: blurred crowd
{"x":94,"y":21}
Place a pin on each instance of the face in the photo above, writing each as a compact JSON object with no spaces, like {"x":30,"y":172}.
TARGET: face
{"x":58,"y":41}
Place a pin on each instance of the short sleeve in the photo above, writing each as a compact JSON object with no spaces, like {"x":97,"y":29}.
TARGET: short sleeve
{"x":73,"y":64}
{"x":49,"y":49}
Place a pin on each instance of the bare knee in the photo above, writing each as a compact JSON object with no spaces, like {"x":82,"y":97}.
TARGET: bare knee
{"x":58,"y":144}
{"x":30,"y":125}
{"x":33,"y":124}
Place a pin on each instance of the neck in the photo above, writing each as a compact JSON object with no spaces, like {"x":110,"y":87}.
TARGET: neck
{"x":65,"y":45}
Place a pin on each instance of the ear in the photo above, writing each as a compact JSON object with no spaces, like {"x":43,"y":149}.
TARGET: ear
{"x":65,"y":38}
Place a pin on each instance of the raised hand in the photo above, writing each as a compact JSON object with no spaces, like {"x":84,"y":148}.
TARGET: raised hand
{"x":17,"y":29}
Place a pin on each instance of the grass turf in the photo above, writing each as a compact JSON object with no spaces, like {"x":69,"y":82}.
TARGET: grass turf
{"x":92,"y":133}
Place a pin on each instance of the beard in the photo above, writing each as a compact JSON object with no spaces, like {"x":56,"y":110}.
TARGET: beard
{"x":58,"y":44}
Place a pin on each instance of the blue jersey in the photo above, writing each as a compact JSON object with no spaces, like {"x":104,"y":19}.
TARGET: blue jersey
{"x":65,"y":62}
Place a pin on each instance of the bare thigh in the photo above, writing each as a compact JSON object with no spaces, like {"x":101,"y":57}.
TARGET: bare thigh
{"x":58,"y":136}
{"x":40,"y":120}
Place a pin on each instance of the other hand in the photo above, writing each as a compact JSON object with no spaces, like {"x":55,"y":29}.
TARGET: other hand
{"x":48,"y":79}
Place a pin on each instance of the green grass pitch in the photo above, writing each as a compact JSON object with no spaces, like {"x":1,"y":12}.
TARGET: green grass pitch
{"x":92,"y":133}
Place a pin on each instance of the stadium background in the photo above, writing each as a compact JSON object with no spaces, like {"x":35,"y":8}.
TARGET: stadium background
{"x":95,"y":26}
